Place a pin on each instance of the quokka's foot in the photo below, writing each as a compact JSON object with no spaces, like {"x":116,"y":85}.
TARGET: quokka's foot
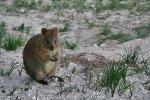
{"x":59,"y":78}
{"x":43,"y":82}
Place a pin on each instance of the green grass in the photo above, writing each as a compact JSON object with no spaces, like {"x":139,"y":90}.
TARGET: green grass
{"x":106,"y":30}
{"x":79,"y":5}
{"x":131,"y":5}
{"x":12,"y":43}
{"x":144,"y":7}
{"x":134,"y":59}
{"x":65,"y":28}
{"x":132,"y":56}
{"x":123,"y":87}
{"x":2,"y":6}
{"x":45,"y":8}
{"x":26,"y":4}
{"x":143,"y":31}
{"x":121,"y":37}
{"x":2,"y":31}
{"x":107,"y":34}
{"x":22,"y":28}
{"x":114,"y":4}
{"x":70,"y":45}
{"x":22,"y":6}
{"x":7,"y":72}
{"x":112,"y":77}
{"x":99,"y":7}
{"x":90,"y":24}
{"x":59,"y":5}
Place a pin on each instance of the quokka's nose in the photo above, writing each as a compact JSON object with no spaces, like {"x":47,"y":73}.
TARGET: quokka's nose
{"x":51,"y":48}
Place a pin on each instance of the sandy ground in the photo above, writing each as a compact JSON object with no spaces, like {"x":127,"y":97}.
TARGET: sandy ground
{"x":76,"y":85}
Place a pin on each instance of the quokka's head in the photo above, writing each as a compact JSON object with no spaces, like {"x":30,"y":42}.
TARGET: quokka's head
{"x":50,"y":38}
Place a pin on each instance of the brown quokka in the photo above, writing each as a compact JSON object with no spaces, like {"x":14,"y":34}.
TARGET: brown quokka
{"x":41,"y":54}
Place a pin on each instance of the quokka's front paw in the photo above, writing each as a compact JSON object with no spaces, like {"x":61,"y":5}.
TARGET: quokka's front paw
{"x":53,"y":58}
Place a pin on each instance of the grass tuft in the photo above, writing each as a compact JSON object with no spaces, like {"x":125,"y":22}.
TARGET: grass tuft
{"x":7,"y":72}
{"x":79,"y":5}
{"x":2,"y":31}
{"x":132,"y":4}
{"x":106,"y":30}
{"x":12,"y":43}
{"x":114,"y":4}
{"x":134,"y":59}
{"x":65,"y":28}
{"x":70,"y":45}
{"x":90,"y":24}
{"x":107,"y":34}
{"x":144,"y":7}
{"x":99,"y":7}
{"x":59,"y":5}
{"x":112,"y":77}
{"x":143,"y":31}
{"x":22,"y":6}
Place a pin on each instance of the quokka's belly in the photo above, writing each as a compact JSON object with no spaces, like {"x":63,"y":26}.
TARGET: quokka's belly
{"x":49,"y":66}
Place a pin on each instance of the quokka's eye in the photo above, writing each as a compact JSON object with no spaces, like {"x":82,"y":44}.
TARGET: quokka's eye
{"x":47,"y":42}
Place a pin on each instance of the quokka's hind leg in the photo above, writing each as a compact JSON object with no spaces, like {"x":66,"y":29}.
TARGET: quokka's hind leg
{"x":59,"y":78}
{"x":39,"y":77}
{"x":53,"y":71}
{"x":53,"y":74}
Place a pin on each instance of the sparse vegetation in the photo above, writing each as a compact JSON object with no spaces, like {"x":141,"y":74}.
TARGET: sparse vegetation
{"x":91,"y":24}
{"x":79,"y":5}
{"x":112,"y":77}
{"x":144,"y":7}
{"x":86,"y":72}
{"x":7,"y":72}
{"x":22,"y":6}
{"x":70,"y":45}
{"x":2,"y":6}
{"x":45,"y":8}
{"x":143,"y":31}
{"x":22,"y":28}
{"x":107,"y":34}
{"x":99,"y":7}
{"x":114,"y":4}
{"x":133,"y":58}
{"x":12,"y":43}
{"x":65,"y":28}
{"x":59,"y":5}
{"x":2,"y":31}
{"x":147,"y":85}
{"x":132,"y":4}
{"x":121,"y":37}
{"x":123,"y":87}
{"x":106,"y":31}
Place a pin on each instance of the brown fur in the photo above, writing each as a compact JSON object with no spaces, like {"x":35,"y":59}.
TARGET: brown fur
{"x":41,"y":54}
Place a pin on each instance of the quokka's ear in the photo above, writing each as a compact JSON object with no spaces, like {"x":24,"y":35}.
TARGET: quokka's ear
{"x":55,"y":30}
{"x":43,"y":31}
